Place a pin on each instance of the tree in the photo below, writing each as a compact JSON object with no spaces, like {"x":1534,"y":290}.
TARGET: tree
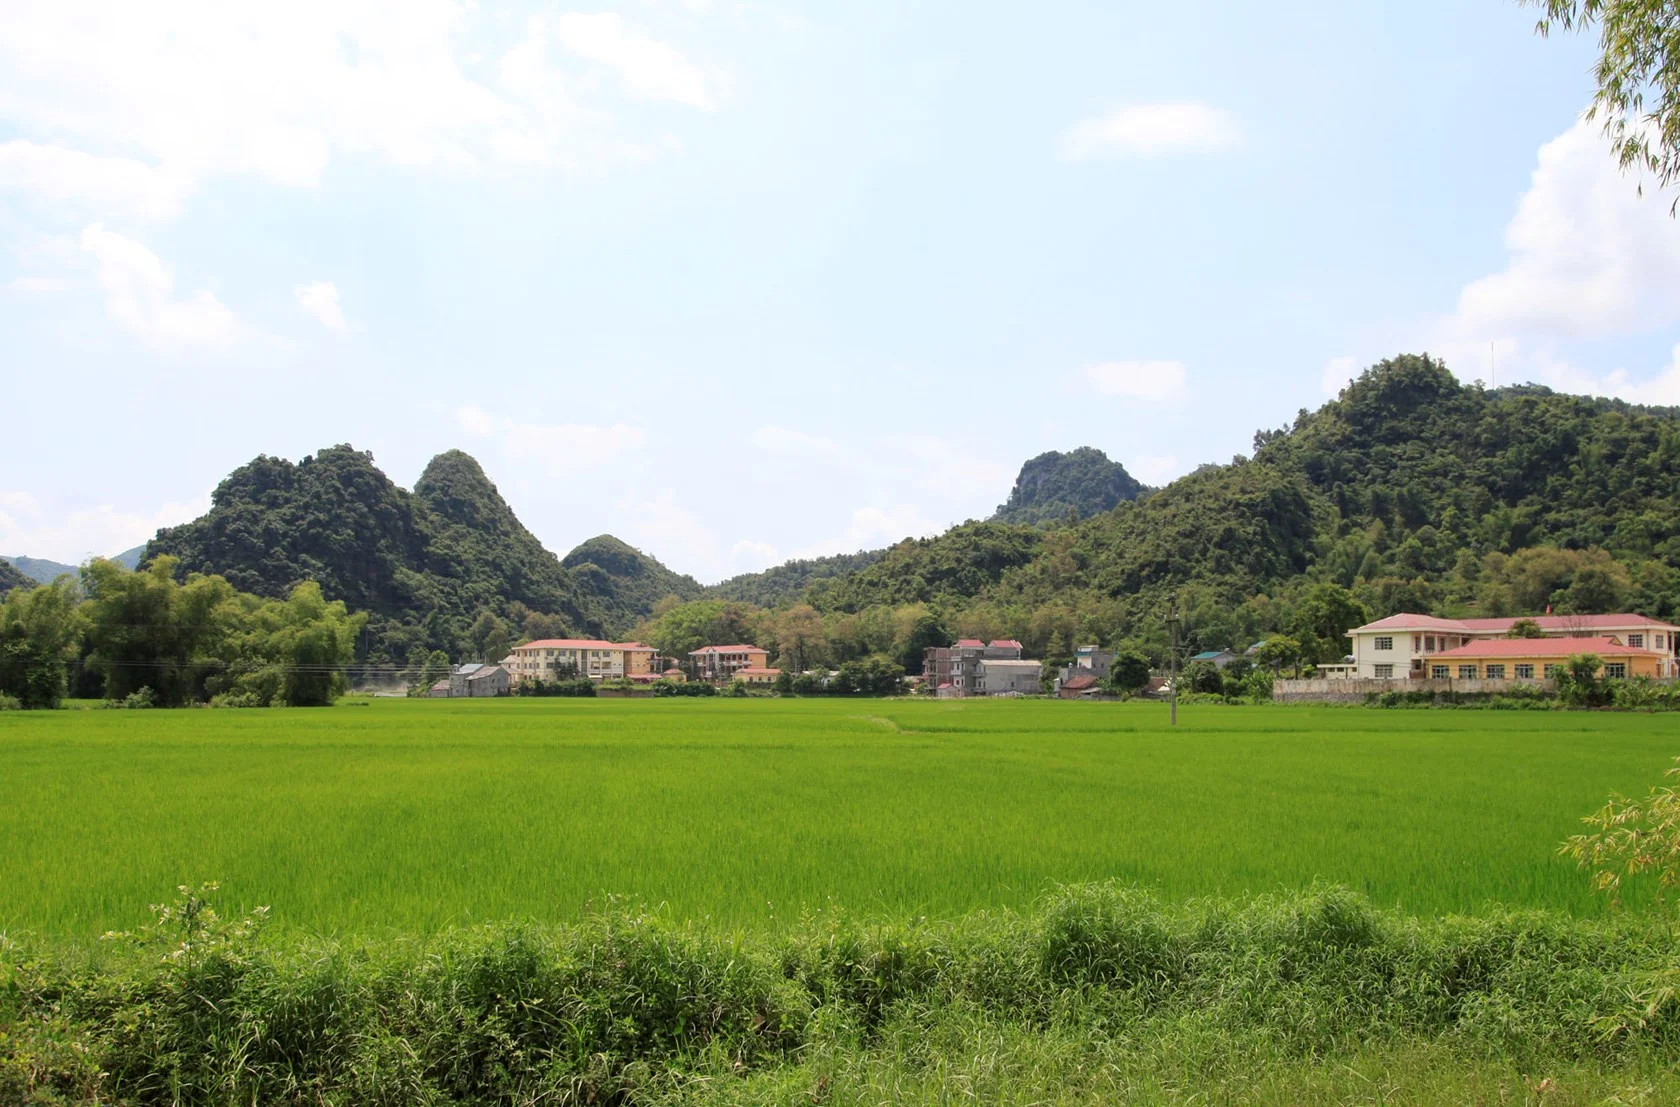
{"x":1202,"y":676}
{"x":433,"y":669}
{"x":924,"y":631}
{"x":1525,"y":628}
{"x":39,"y":629}
{"x":148,"y":631}
{"x":1280,"y":652}
{"x":489,"y":637}
{"x":800,"y":639}
{"x":1637,"y":73}
{"x":1580,"y":684}
{"x":1322,"y":619}
{"x":1129,"y":673}
{"x":784,"y":682}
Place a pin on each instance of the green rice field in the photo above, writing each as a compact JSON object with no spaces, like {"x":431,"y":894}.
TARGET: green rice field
{"x":413,"y":815}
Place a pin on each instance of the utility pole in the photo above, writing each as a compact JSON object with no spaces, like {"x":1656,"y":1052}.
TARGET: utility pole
{"x":1172,"y":651}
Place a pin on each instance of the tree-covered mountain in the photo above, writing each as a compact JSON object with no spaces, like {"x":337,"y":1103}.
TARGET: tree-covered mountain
{"x":39,"y":569}
{"x":45,"y":571}
{"x":621,"y":583}
{"x":787,"y":582}
{"x":1410,"y":490}
{"x":12,"y":577}
{"x":1056,"y":488}
{"x":423,"y":565}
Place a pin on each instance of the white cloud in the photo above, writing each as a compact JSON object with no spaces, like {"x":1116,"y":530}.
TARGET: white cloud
{"x":650,"y":70}
{"x":26,"y":530}
{"x":1154,"y":470}
{"x":781,"y":440}
{"x":1337,"y":372}
{"x":748,"y":556}
{"x":320,"y":300}
{"x":143,"y":101}
{"x":562,"y":448}
{"x":87,"y":185}
{"x":1588,"y":254}
{"x":1151,"y":130}
{"x":37,"y":285}
{"x":1145,"y":380}
{"x":140,"y":296}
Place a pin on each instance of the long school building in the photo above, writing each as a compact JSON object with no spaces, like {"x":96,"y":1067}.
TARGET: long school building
{"x":554,"y":658}
{"x":1417,"y":647}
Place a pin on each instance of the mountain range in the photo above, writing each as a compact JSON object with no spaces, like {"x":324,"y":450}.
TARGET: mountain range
{"x":42,"y":571}
{"x":1409,"y":490}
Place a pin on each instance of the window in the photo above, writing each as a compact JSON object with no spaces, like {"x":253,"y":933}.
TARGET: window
{"x":1384,"y":672}
{"x":1525,"y":672}
{"x":1637,"y":641}
{"x":1496,"y":672}
{"x":1438,"y":672}
{"x":1552,"y":671}
{"x":1417,"y":643}
{"x":1616,"y":670}
{"x":1429,"y":644}
{"x":1384,"y":643}
{"x":1467,"y":672}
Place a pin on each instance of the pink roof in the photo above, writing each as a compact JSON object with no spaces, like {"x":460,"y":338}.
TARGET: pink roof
{"x":728,"y":649}
{"x":1008,"y":642}
{"x":1569,"y":623}
{"x":970,"y":644}
{"x":581,"y":644}
{"x":1541,"y":647}
{"x":756,"y":671}
{"x":1408,"y":621}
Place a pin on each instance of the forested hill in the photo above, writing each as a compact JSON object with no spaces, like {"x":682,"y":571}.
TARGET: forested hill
{"x":11,"y":577}
{"x":1408,"y":491}
{"x":1058,"y":488}
{"x":448,"y":566}
{"x":787,"y":582}
{"x":623,"y":583}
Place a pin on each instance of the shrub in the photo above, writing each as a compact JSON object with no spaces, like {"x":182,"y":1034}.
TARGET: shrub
{"x":139,"y":699}
{"x":10,"y":703}
{"x":237,"y":699}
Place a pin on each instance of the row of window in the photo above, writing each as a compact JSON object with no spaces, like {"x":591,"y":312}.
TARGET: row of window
{"x":1496,"y":670}
{"x":1384,"y":643}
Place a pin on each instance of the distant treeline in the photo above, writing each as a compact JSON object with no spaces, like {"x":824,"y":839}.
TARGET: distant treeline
{"x":145,"y":638}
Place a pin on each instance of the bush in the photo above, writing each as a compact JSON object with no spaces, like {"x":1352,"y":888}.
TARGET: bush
{"x":198,"y":1009}
{"x":237,"y":699}
{"x":10,"y":703}
{"x":139,"y":699}
{"x":539,"y":687}
{"x":683,"y":688}
{"x":1129,"y":674}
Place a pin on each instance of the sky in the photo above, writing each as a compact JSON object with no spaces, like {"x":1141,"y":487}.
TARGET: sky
{"x":741,"y":282}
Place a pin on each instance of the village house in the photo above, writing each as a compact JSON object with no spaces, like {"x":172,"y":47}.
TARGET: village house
{"x":1409,"y":646}
{"x":568,"y":658}
{"x":757,"y":675}
{"x":721,"y":663}
{"x":1540,"y":659}
{"x":976,"y":668}
{"x":472,"y":679}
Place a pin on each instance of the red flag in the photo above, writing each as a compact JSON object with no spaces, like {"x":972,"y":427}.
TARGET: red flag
{"x":1548,"y":609}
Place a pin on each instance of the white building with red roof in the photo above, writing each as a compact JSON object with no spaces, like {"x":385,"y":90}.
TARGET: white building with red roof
{"x":1408,"y":646}
{"x":563,"y":658}
{"x":723,"y":662}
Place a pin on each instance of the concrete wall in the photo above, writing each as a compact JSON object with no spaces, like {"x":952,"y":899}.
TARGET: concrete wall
{"x":1355,"y":689}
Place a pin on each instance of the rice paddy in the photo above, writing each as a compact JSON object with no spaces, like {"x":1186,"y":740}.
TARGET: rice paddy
{"x":414,"y":815}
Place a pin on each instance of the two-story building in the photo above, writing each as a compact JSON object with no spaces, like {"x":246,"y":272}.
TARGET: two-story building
{"x":721,"y":663}
{"x":560,"y":658}
{"x":1406,"y":646}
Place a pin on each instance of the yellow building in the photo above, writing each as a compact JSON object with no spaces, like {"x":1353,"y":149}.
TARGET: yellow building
{"x":1539,"y":658}
{"x":757,"y":674}
{"x":553,"y":658}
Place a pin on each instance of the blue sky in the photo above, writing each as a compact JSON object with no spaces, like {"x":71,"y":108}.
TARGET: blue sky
{"x":741,"y":282}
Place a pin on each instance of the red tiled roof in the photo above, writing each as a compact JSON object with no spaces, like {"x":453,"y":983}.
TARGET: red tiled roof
{"x":582,"y":644}
{"x":758,"y":671}
{"x":971,"y":644}
{"x":1408,"y":621}
{"x":728,"y":649}
{"x":1541,"y":647}
{"x":1079,"y":683}
{"x":1007,"y":642}
{"x":1568,"y":623}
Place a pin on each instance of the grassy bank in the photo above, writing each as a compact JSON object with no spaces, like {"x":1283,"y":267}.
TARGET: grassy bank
{"x":1098,"y":991}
